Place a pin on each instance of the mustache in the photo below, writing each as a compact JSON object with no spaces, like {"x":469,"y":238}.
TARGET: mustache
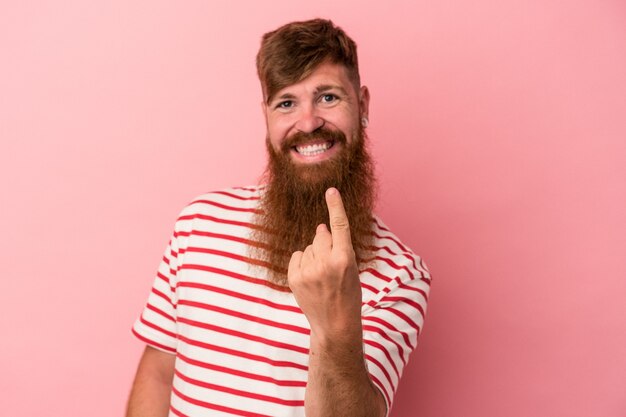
{"x":325,"y":134}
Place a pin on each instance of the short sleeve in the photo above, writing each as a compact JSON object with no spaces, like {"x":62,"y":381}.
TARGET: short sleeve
{"x":156,"y":325}
{"x":393,"y":319}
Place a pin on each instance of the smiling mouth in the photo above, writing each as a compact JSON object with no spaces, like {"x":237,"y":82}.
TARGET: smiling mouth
{"x":314,"y":149}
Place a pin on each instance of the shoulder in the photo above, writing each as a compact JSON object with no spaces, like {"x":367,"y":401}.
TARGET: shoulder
{"x":228,"y":200}
{"x":396,"y":284}
{"x":390,"y":252}
{"x":393,"y":266}
{"x":235,"y":205}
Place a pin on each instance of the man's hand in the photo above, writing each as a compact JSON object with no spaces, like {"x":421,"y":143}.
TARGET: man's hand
{"x":325,"y":277}
{"x":325,"y":281}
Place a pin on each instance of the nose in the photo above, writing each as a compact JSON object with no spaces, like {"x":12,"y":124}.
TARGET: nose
{"x":309,"y":121}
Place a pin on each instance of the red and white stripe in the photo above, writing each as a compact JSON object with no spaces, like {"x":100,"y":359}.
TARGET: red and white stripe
{"x":241,"y":342}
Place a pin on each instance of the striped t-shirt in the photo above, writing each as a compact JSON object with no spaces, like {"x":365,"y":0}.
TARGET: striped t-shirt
{"x":241,"y":342}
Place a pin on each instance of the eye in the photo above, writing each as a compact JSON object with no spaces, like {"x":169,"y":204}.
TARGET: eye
{"x":286,"y":104}
{"x":328,"y":98}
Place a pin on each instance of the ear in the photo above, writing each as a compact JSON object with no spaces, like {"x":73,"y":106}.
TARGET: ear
{"x":364,"y":101}
{"x":264,"y":110}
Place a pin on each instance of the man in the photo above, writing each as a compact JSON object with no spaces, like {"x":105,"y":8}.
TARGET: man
{"x":290,"y":298}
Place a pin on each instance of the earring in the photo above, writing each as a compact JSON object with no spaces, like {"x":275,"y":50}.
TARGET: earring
{"x":364,"y":121}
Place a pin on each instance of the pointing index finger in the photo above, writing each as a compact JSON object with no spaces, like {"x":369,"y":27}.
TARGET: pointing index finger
{"x":339,"y":225}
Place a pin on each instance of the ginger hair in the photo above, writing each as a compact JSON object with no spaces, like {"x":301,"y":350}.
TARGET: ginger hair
{"x":291,"y":53}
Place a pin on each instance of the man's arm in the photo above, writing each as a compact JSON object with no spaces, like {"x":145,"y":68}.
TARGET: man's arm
{"x":325,"y":282}
{"x":338,"y":382}
{"x":150,"y":395}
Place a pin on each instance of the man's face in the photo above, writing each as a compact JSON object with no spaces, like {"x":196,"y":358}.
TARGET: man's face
{"x":315,"y":141}
{"x":302,"y":117}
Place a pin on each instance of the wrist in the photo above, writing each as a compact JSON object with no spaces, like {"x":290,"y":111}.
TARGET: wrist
{"x":339,"y":343}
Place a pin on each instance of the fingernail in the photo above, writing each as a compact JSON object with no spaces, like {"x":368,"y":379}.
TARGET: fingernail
{"x":331,"y":191}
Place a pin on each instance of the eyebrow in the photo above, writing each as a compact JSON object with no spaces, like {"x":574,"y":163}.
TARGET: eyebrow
{"x":326,"y":87}
{"x":283,"y":96}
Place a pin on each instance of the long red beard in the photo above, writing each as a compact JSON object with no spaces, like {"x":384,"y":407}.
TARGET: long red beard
{"x":293,"y":202}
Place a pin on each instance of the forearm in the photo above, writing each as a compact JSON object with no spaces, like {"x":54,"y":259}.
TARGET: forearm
{"x":150,"y":395}
{"x":338,"y":382}
{"x":149,"y":398}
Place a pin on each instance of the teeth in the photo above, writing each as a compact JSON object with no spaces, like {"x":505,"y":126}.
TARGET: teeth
{"x":310,"y":150}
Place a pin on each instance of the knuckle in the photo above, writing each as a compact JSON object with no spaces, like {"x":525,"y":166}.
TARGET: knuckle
{"x":292,"y":279}
{"x":344,"y":259}
{"x":339,"y":222}
{"x":294,"y":276}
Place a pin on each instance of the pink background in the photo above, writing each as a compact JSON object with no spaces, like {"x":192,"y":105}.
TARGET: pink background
{"x":500,"y":134}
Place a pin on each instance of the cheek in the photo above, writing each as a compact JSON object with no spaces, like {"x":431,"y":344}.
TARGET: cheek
{"x":344,"y":121}
{"x":277,"y":132}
